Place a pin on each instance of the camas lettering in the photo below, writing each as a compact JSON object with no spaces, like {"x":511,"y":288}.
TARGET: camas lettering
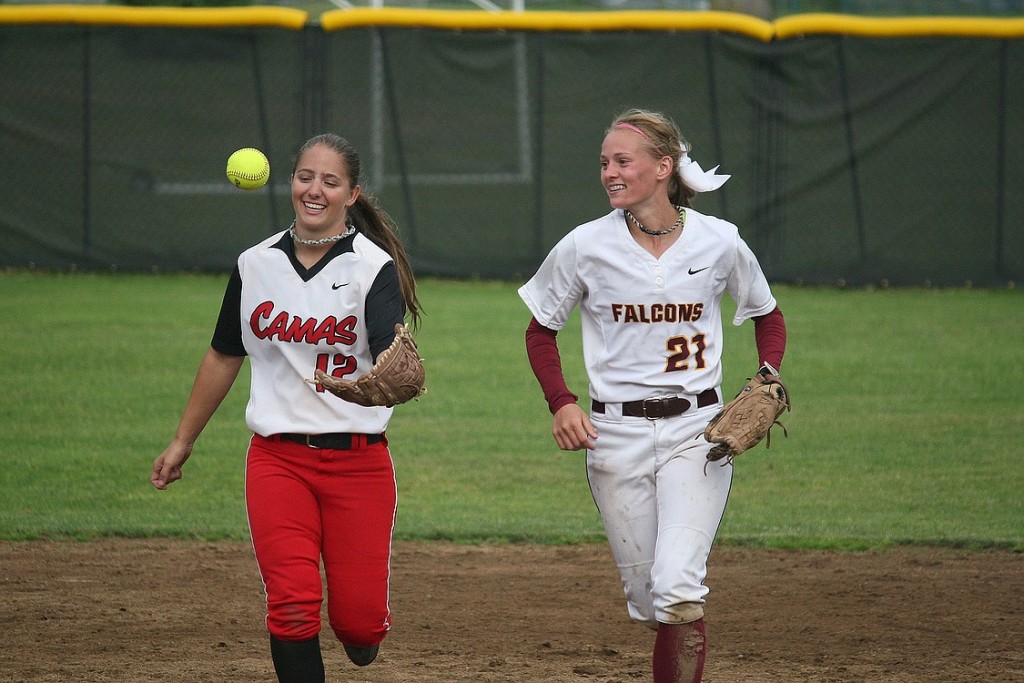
{"x":283,"y":326}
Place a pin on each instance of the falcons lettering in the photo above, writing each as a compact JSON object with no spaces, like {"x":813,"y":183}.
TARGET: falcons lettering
{"x":657,"y":313}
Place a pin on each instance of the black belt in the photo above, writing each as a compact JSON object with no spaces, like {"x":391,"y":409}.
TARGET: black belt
{"x":655,"y":408}
{"x":341,"y":441}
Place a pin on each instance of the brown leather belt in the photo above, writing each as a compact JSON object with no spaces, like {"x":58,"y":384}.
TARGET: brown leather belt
{"x":341,"y":441}
{"x":656,"y":408}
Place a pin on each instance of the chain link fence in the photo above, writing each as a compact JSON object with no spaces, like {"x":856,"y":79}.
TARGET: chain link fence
{"x":867,"y":159}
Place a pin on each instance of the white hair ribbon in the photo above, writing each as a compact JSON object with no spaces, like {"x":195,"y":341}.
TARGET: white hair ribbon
{"x":696,"y":178}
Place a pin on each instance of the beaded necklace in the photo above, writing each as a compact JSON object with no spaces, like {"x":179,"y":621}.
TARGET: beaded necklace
{"x":326,"y":240}
{"x":657,"y":233}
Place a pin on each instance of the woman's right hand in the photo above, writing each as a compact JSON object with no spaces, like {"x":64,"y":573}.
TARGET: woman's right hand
{"x":167,"y":467}
{"x":573,"y":429}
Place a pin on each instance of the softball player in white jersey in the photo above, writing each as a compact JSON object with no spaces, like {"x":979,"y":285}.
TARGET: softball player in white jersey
{"x":649,"y":279}
{"x":320,"y":486}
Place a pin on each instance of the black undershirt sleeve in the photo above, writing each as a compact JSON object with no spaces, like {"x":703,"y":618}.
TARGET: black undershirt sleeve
{"x":384,"y":309}
{"x":227,"y":336}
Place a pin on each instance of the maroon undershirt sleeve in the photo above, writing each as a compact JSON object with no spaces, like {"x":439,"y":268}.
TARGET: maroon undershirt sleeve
{"x":770,"y":335}
{"x":542,"y":349}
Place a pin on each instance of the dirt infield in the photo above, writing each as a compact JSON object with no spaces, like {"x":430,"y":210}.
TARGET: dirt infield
{"x":139,"y":611}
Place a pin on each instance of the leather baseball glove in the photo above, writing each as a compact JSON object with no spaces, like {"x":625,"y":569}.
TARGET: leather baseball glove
{"x":396,"y":377}
{"x":744,"y":421}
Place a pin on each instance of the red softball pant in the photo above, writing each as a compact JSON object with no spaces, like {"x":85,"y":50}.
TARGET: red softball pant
{"x":306,"y":504}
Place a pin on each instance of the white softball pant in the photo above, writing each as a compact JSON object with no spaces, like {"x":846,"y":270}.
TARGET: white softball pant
{"x":661,"y":508}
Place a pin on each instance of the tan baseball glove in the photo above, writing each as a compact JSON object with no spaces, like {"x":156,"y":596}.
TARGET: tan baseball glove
{"x":744,"y":421}
{"x":396,"y":377}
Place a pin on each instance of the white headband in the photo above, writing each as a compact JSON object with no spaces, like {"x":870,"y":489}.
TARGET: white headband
{"x":696,"y":178}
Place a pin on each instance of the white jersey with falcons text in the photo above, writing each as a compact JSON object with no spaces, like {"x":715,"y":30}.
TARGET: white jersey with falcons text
{"x":291,"y":327}
{"x":651,"y":326}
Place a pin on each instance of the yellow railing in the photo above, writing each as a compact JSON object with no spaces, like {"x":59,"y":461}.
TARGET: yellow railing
{"x":794,"y":26}
{"x":109,"y":15}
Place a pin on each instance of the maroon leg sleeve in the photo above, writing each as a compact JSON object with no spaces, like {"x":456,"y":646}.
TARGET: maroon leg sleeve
{"x":679,"y":651}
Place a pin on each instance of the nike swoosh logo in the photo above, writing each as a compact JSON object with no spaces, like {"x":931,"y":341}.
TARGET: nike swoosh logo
{"x":337,"y":286}
{"x":691,"y":271}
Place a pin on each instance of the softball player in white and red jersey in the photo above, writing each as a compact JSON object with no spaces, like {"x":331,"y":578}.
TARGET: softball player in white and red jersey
{"x":320,"y":485}
{"x":649,"y":279}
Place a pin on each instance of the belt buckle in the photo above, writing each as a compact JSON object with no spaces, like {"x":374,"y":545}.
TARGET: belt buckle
{"x":309,"y":443}
{"x":657,"y":414}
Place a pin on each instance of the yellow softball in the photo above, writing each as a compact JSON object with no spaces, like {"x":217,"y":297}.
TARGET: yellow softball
{"x":248,"y":169}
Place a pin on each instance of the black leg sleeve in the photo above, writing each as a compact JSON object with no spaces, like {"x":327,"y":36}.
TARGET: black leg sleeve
{"x":297,"y":662}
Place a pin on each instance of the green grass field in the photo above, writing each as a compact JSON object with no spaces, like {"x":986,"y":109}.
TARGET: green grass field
{"x":905,"y":425}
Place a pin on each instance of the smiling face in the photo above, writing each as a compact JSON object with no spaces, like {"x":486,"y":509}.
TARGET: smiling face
{"x":630,"y":174}
{"x":322,"y":191}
